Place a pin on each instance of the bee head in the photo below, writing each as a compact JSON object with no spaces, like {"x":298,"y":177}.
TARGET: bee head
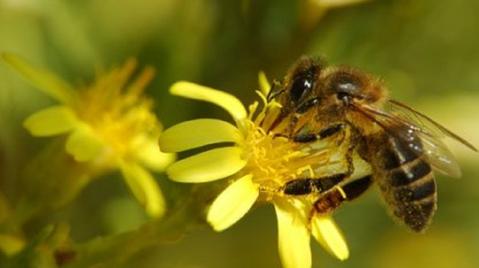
{"x":300,"y":82}
{"x":309,"y":83}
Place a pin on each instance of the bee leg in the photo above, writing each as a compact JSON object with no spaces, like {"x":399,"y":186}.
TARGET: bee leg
{"x":305,"y":106}
{"x":269,"y":190}
{"x":306,"y":137}
{"x":330,"y":131}
{"x":352,"y":145}
{"x":325,"y":133}
{"x":292,"y":123}
{"x":357,"y":187}
{"x":299,"y":187}
{"x":349,"y":160}
{"x":299,"y":111}
{"x":329,"y":202}
{"x":307,"y":185}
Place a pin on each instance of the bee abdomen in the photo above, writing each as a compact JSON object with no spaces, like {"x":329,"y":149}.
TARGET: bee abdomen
{"x":413,"y":189}
{"x":412,"y":182}
{"x":407,"y":174}
{"x":406,"y":180}
{"x":397,"y":153}
{"x":417,"y":214}
{"x":416,"y":192}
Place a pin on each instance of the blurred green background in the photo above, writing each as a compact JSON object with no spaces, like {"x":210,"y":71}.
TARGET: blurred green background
{"x":426,"y":51}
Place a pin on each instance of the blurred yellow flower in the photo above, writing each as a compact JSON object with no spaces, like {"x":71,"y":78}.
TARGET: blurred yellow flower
{"x":258,"y":163}
{"x":336,"y":3}
{"x":110,"y":124}
{"x":312,"y":11}
{"x":11,"y":244}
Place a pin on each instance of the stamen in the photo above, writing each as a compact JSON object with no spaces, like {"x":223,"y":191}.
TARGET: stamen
{"x":274,"y":160}
{"x":138,"y":86}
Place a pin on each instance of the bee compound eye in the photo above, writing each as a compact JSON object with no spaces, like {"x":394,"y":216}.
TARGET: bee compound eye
{"x":300,"y":87}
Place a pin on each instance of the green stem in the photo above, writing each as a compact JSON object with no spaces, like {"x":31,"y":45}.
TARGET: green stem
{"x":51,"y":180}
{"x":116,"y":250}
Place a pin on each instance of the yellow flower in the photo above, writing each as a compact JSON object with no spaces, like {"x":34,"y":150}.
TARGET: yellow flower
{"x":258,"y":164}
{"x":109,"y":124}
{"x":336,"y":3}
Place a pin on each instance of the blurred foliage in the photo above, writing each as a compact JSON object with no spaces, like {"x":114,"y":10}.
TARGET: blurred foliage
{"x":426,"y":51}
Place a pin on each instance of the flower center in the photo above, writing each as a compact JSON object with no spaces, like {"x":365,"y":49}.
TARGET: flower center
{"x":269,"y":157}
{"x":275,"y":159}
{"x":119,"y":116}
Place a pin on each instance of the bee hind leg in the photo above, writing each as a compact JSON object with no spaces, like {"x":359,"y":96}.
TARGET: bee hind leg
{"x":357,"y":187}
{"x":329,"y":202}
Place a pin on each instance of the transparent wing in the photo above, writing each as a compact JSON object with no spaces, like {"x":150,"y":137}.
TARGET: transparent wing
{"x":409,"y":126}
{"x":440,"y":157}
{"x":426,"y":123}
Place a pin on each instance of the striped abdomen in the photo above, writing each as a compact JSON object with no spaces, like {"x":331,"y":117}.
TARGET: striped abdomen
{"x":405,"y":179}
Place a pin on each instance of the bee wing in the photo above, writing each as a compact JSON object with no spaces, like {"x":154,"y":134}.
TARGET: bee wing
{"x":428,"y":131}
{"x":425,"y":122}
{"x":439,"y":155}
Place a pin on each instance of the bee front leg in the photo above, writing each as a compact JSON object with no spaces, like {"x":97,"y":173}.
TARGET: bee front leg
{"x":299,"y":111}
{"x":305,"y":106}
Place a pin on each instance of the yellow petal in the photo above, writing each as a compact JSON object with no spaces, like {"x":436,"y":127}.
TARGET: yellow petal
{"x":144,"y":188}
{"x":226,"y":101}
{"x":293,"y":236}
{"x":207,"y":166}
{"x":149,"y":154}
{"x":233,"y":203}
{"x":51,"y":121}
{"x":329,"y":236}
{"x":83,"y":145}
{"x":263,"y":83}
{"x":196,"y":133}
{"x":45,"y":81}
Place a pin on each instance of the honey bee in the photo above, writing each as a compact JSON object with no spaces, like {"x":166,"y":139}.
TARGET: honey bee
{"x":402,"y":146}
